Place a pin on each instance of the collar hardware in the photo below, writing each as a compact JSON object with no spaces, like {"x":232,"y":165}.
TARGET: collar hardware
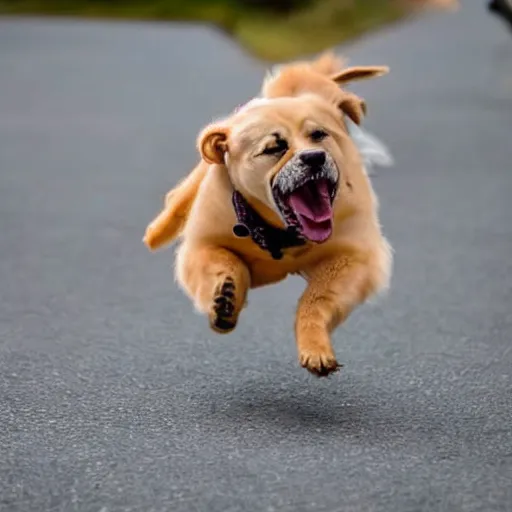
{"x":267,"y":237}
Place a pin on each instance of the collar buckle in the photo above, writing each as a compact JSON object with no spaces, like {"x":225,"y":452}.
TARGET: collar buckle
{"x":267,"y":237}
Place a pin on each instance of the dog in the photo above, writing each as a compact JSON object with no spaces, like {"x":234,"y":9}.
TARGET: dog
{"x":284,"y":192}
{"x":323,"y":76}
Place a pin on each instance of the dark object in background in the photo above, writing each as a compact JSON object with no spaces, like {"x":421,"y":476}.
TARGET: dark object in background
{"x":277,"y":6}
{"x":502,"y":8}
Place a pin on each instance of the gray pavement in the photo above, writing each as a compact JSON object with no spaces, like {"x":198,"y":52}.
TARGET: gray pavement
{"x":114,"y":394}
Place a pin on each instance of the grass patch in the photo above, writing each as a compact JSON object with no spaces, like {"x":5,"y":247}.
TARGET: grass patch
{"x":315,"y":27}
{"x":273,"y":30}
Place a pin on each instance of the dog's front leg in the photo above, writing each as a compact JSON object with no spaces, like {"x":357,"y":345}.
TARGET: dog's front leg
{"x":216,"y":280}
{"x":335,"y":287}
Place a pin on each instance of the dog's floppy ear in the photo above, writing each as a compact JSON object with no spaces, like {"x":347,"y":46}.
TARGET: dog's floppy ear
{"x":352,"y":74}
{"x":353,"y":106}
{"x":212,"y":143}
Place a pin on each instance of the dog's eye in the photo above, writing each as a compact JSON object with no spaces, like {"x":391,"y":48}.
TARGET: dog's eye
{"x":280,"y":147}
{"x":318,"y":135}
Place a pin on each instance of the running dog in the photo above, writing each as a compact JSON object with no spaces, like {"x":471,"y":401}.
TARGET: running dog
{"x":283,"y":191}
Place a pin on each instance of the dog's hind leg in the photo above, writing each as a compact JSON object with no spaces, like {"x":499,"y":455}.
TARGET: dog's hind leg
{"x":335,"y":287}
{"x":216,"y":280}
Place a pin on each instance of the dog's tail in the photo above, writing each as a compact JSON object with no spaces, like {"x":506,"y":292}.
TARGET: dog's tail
{"x":289,"y":78}
{"x":328,"y":63}
{"x":169,"y":223}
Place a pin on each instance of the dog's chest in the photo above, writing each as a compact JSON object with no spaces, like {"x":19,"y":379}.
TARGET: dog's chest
{"x":263,"y":273}
{"x":267,"y":271}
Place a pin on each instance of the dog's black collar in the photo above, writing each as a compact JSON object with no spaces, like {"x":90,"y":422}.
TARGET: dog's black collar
{"x":268,"y":237}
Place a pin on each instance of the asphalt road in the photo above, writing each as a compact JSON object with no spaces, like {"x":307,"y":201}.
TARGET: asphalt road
{"x":114,"y":394}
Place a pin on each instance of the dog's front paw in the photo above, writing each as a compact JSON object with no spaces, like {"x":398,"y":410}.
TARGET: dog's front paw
{"x":319,"y":363}
{"x":223,"y":314}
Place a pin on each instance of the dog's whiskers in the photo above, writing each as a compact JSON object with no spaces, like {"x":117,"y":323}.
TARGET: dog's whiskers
{"x":295,"y":176}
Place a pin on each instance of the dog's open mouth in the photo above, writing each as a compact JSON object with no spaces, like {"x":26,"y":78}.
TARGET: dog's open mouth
{"x":312,"y":205}
{"x":305,"y":199}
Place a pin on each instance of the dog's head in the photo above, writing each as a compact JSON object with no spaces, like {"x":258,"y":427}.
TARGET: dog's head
{"x":285,"y":156}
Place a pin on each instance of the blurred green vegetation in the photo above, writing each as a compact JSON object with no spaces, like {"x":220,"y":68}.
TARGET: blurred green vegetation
{"x":271,"y":29}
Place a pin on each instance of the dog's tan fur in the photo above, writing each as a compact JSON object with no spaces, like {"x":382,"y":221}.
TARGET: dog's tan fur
{"x":217,"y":269}
{"x":322,"y":76}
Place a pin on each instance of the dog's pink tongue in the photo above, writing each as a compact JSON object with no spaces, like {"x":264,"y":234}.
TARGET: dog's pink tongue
{"x":312,"y":204}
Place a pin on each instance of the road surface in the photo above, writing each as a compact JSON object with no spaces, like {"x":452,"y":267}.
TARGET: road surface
{"x":115,"y":395}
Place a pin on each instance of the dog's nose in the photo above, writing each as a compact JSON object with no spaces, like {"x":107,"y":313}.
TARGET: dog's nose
{"x":313,"y":157}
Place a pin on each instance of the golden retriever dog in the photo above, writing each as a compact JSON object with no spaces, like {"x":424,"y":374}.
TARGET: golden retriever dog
{"x":322,"y":76}
{"x":284,"y":192}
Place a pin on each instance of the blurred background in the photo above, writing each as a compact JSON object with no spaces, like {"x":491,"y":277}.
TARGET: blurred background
{"x":272,"y":29}
{"x":116,"y":396}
